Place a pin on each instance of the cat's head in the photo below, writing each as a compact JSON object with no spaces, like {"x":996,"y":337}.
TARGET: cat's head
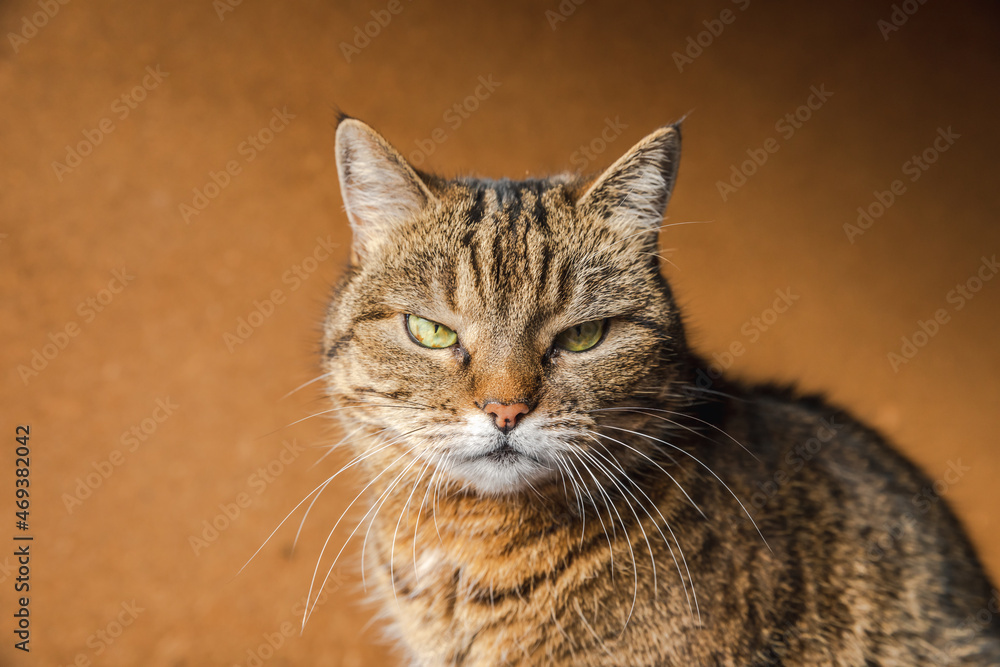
{"x":484,"y":328}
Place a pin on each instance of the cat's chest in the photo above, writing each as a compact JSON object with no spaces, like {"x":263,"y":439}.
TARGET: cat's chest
{"x":470,"y":605}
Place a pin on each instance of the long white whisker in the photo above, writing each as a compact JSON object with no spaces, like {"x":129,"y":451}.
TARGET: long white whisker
{"x":377,"y":507}
{"x":317,"y":491}
{"x":350,"y":464}
{"x":312,"y":583}
{"x":306,"y":384}
{"x":711,"y":472}
{"x":318,"y":488}
{"x":679,"y":425}
{"x":331,"y":448}
{"x":578,"y":497}
{"x":416,"y":525}
{"x":669,"y":530}
{"x":628,"y":543}
{"x":392,"y":548}
{"x":638,"y":521}
{"x":663,"y":470}
{"x":337,"y":409}
{"x":604,"y":496}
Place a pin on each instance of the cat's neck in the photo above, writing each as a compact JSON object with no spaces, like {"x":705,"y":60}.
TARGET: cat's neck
{"x":481,"y":534}
{"x":503,"y":543}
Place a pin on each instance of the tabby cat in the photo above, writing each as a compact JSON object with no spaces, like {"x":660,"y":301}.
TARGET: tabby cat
{"x":556,"y":479}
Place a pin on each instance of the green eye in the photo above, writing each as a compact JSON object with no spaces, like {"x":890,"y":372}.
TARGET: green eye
{"x":583,"y":336}
{"x":430,"y":334}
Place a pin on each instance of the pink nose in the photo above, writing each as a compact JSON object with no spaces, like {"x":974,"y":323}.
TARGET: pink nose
{"x":506,"y":416}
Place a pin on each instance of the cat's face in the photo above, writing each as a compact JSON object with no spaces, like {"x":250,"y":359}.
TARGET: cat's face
{"x":484,"y":327}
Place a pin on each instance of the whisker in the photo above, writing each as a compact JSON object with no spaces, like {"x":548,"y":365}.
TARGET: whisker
{"x":660,"y":228}
{"x":319,"y":488}
{"x":312,"y":583}
{"x":434,"y":500}
{"x":342,"y":441}
{"x":604,"y":496}
{"x":712,"y":472}
{"x":593,"y":633}
{"x":680,"y":549}
{"x":706,"y":390}
{"x":687,"y":428}
{"x":377,"y":506}
{"x":352,"y":406}
{"x":638,"y":521}
{"x":356,"y":460}
{"x":392,"y":548}
{"x":628,"y":543}
{"x":416,"y":526}
{"x":663,"y":470}
{"x":306,"y":384}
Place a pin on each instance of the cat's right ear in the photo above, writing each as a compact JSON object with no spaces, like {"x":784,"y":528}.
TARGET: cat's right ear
{"x":380,"y":189}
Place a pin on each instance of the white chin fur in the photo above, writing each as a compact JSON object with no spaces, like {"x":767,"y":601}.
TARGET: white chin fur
{"x":510,"y":474}
{"x":491,"y":477}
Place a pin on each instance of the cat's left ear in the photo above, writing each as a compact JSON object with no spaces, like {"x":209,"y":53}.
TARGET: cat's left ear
{"x":632,"y":194}
{"x":379,"y":187}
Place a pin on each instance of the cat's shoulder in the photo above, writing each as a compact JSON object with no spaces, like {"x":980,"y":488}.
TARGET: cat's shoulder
{"x":825,"y":433}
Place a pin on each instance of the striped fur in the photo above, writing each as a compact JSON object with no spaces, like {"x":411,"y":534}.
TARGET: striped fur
{"x":635,"y":516}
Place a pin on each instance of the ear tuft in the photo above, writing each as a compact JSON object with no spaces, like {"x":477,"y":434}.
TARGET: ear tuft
{"x":380,"y":189}
{"x":632,"y":194}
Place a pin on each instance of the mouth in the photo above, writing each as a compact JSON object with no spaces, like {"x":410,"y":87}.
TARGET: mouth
{"x":502,"y":466}
{"x":503,"y":454}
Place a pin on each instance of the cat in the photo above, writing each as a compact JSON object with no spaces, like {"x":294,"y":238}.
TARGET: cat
{"x":553,"y":482}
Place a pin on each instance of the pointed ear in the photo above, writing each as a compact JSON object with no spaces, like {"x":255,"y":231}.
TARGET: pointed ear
{"x":632,"y":194}
{"x":380,"y":189}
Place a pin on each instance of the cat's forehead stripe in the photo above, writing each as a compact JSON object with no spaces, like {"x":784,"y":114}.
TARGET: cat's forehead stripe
{"x":506,"y":199}
{"x":505,"y":246}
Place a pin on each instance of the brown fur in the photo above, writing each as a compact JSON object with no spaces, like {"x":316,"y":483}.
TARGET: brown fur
{"x":644,"y":518}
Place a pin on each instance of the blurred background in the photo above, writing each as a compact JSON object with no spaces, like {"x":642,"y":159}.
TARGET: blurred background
{"x":170,"y":226}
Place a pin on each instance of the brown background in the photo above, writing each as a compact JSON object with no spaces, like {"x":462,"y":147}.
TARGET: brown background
{"x":162,"y":336}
